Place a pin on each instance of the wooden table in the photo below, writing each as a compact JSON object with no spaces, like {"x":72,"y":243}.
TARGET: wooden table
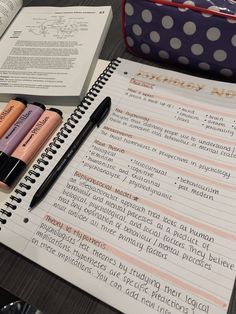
{"x":29,"y":281}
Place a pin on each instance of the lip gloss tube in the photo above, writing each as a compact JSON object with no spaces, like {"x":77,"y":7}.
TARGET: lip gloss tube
{"x":29,"y":147}
{"x":18,"y":130}
{"x":10,"y":113}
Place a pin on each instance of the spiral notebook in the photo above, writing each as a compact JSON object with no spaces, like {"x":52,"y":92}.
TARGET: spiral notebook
{"x":144,"y":215}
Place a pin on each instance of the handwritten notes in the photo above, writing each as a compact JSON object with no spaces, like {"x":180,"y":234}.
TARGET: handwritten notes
{"x":145,"y":213}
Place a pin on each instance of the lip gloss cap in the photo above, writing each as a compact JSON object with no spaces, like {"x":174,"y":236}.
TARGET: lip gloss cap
{"x":39,"y":105}
{"x":56,"y":110}
{"x":11,"y":171}
{"x":21,"y":100}
{"x":3,"y":159}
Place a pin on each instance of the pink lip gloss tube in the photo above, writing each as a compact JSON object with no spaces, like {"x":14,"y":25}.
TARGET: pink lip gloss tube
{"x":18,"y":130}
{"x":10,"y":113}
{"x":29,"y":147}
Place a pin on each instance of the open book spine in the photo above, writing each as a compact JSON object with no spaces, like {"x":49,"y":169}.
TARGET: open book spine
{"x":44,"y":159}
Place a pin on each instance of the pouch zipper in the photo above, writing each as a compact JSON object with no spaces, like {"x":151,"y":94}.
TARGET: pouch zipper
{"x":194,"y":8}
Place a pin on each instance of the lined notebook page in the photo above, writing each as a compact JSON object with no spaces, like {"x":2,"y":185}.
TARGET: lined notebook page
{"x":144,"y":216}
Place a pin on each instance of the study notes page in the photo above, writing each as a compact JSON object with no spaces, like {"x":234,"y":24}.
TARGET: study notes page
{"x":52,"y":51}
{"x":144,"y":215}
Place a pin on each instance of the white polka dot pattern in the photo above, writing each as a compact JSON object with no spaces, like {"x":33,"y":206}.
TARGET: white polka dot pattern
{"x":129,"y":9}
{"x":130,"y":41}
{"x":226,"y":72}
{"x":137,"y":30}
{"x":233,"y":40}
{"x":189,"y":2}
{"x":183,"y":60}
{"x":154,"y":36}
{"x":163,"y":54}
{"x":212,"y":8}
{"x":183,"y":35}
{"x":147,"y":16}
{"x":175,"y":43}
{"x":189,"y":28}
{"x":204,"y":66}
{"x":213,"y":33}
{"x":167,"y":22}
{"x":145,"y":48}
{"x":220,"y":55}
{"x":197,"y":49}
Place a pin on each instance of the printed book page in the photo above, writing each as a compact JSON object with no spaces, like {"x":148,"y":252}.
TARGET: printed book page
{"x":144,"y":216}
{"x":52,"y":52}
{"x":8,"y":10}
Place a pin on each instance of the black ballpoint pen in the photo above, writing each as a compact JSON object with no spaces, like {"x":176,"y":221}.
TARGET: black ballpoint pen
{"x":95,"y":119}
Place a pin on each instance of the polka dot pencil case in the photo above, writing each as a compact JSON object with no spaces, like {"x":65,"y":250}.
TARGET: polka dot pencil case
{"x":195,"y":33}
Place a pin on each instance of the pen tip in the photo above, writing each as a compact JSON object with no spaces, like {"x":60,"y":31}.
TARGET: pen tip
{"x":29,"y":209}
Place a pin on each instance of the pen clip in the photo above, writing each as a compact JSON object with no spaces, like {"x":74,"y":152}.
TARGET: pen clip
{"x":101,"y":112}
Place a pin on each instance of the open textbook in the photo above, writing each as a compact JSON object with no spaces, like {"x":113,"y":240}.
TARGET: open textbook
{"x":144,"y":216}
{"x":8,"y":10}
{"x":49,"y":54}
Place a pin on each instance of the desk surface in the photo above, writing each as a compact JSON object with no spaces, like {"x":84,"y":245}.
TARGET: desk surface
{"x":29,"y":281}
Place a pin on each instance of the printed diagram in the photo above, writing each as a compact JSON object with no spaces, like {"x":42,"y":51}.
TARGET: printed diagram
{"x":58,"y":27}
